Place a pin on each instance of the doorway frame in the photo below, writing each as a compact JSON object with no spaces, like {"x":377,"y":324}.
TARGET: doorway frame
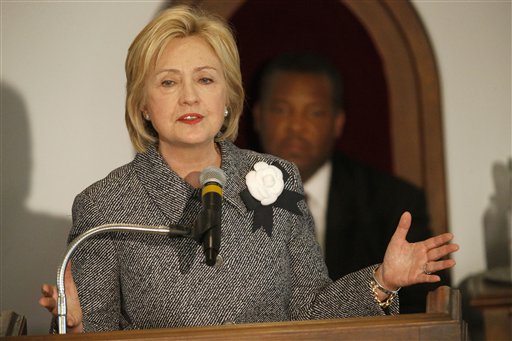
{"x":412,"y":79}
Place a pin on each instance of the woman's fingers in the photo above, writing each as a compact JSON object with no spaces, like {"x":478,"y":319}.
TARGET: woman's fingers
{"x":49,"y":299}
{"x":441,"y":251}
{"x":403,"y":226}
{"x":49,"y":291}
{"x":429,"y":278}
{"x":427,"y":273}
{"x":70,"y":321}
{"x":46,"y":290}
{"x":48,"y":303}
{"x":431,"y":267}
{"x":439,"y":240}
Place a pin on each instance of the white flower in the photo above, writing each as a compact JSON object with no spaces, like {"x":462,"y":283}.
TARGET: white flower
{"x":265,"y":183}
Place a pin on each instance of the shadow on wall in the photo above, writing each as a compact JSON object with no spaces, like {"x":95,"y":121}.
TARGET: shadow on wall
{"x":32,"y":243}
{"x":485,"y":293}
{"x":498,"y":219}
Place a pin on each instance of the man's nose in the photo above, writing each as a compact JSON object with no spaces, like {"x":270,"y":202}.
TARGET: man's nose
{"x":296,"y":121}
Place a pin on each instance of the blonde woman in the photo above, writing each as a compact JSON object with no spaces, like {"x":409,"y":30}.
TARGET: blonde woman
{"x":184,"y":100}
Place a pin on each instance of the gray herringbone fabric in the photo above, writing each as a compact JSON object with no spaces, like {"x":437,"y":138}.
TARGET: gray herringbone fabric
{"x":132,"y":281}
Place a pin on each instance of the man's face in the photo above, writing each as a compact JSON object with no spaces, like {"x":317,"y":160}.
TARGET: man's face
{"x":296,"y":119}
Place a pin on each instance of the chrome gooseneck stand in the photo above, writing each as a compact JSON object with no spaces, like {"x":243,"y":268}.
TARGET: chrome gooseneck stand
{"x":61,"y":301}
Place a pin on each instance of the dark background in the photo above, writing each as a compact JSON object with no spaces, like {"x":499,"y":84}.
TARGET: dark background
{"x":265,"y":28}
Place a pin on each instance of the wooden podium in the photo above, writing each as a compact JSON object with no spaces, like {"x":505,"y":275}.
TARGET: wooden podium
{"x":442,"y":321}
{"x":493,"y":300}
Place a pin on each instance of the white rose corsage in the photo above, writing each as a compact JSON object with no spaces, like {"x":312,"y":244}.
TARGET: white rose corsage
{"x":265,"y":190}
{"x":265,"y":183}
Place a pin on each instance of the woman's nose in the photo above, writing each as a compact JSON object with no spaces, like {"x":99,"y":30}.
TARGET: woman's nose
{"x":189,"y":93}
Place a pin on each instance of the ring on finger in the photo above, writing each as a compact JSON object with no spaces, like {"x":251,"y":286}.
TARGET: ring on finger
{"x":425,"y":269}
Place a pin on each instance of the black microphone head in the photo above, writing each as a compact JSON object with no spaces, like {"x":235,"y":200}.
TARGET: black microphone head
{"x":212,"y":174}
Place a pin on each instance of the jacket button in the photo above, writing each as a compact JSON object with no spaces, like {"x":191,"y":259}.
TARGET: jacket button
{"x":219,"y":261}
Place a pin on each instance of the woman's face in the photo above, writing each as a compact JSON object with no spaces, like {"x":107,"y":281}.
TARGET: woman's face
{"x":186,"y":94}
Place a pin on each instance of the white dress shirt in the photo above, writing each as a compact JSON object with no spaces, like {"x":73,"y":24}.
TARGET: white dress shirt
{"x":317,"y":193}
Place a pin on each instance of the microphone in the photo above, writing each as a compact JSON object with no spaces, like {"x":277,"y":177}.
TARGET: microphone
{"x":212,"y":180}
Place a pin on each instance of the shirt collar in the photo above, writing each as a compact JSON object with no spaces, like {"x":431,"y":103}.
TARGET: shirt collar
{"x":317,"y":187}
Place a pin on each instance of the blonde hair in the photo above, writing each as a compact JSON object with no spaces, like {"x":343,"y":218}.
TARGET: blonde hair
{"x":172,"y":23}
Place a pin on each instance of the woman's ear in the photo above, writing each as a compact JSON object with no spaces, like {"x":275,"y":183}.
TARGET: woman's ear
{"x":145,"y":114}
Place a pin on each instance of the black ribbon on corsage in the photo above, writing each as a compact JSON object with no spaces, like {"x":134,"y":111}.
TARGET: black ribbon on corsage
{"x":264,"y":215}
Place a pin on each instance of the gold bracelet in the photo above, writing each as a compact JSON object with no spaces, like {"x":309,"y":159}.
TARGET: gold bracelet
{"x":374,"y":285}
{"x":383,"y":304}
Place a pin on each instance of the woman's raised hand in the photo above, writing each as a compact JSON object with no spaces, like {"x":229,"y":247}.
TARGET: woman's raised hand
{"x":412,"y":263}
{"x":74,"y":312}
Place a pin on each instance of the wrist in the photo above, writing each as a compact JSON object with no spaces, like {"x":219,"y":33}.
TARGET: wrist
{"x":384,"y":286}
{"x":382,"y":295}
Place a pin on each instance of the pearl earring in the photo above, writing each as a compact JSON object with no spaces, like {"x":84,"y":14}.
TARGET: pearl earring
{"x":226,"y":112}
{"x":146,"y":116}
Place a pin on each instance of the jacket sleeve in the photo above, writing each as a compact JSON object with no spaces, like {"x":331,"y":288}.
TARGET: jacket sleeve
{"x":95,"y":269}
{"x":314,"y":295}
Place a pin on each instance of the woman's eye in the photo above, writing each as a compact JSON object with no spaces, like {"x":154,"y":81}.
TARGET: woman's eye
{"x":205,"y":80}
{"x":167,"y":83}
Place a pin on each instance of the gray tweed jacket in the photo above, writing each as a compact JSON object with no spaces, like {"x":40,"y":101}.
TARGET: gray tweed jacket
{"x":136,"y":281}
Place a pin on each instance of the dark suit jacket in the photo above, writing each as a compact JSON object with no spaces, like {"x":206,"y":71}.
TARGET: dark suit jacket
{"x":363,"y":211}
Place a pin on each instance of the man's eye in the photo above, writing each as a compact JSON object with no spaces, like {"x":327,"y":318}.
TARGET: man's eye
{"x":317,"y":113}
{"x":167,"y":83}
{"x":277,"y":110}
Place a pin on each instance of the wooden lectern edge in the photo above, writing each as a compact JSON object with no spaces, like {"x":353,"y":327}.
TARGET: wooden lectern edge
{"x":439,"y":320}
{"x":294,"y":330}
{"x":444,"y":300}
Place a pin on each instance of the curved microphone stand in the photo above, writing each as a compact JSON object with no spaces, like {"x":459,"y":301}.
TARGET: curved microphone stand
{"x":61,"y":302}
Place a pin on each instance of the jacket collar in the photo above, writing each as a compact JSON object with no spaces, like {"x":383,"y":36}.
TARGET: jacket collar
{"x":171,"y":193}
{"x":236,"y":166}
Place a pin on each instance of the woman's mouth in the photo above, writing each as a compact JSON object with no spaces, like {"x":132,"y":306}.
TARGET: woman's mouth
{"x":191,"y":118}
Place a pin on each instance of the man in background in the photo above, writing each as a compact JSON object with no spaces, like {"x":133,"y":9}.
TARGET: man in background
{"x":299,"y":115}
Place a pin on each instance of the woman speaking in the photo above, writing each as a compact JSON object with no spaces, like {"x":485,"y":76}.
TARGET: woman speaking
{"x":183,"y":104}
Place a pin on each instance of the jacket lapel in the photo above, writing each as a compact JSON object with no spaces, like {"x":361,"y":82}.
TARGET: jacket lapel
{"x":165,"y":188}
